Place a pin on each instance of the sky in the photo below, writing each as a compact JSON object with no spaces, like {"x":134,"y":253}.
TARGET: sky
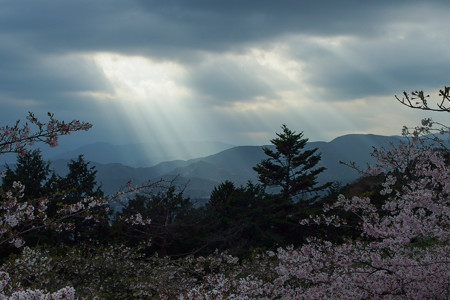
{"x":228,"y":71}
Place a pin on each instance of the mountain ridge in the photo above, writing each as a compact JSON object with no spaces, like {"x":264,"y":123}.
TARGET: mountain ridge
{"x":236,"y":164}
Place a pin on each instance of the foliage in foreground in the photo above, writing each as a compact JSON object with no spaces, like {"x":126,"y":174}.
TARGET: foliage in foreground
{"x":402,"y":251}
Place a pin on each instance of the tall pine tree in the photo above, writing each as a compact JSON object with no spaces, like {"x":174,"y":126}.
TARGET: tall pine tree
{"x":77,"y":185}
{"x":290,"y":167}
{"x":32,"y":171}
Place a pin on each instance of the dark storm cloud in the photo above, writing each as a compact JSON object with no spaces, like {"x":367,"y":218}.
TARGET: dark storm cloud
{"x":154,"y":26}
{"x":26,"y":75}
{"x":364,"y":67}
{"x":45,"y":47}
{"x":178,"y":30}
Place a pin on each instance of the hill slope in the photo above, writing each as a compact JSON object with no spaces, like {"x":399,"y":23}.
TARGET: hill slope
{"x":234,"y":164}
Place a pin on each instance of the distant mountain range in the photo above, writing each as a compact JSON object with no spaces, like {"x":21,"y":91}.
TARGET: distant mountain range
{"x":116,"y":165}
{"x":143,"y":155}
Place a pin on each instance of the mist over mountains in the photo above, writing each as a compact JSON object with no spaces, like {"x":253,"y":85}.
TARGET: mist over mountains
{"x":215,"y":162}
{"x":144,"y":155}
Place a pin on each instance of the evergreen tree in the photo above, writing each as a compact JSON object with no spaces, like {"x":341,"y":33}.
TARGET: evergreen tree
{"x":77,"y":185}
{"x":221,"y":193}
{"x":173,"y":221}
{"x":245,"y":218}
{"x":32,"y":171}
{"x":290,"y":167}
{"x":81,"y":181}
{"x":35,"y":173}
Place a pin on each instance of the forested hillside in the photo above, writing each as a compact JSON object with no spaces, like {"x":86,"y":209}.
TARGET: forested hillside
{"x":235,"y":164}
{"x":286,"y":235}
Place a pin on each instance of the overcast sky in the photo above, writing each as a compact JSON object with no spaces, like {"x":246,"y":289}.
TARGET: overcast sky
{"x":229,"y":71}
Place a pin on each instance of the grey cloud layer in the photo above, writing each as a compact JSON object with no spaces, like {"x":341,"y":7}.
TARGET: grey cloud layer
{"x":42,"y":44}
{"x":228,"y":82}
{"x":378,"y":67}
{"x":146,"y":25}
{"x":182,"y":30}
{"x":25,"y":75}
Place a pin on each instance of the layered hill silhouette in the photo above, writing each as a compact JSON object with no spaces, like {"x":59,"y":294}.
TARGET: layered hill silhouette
{"x":142,"y":155}
{"x":201,"y":174}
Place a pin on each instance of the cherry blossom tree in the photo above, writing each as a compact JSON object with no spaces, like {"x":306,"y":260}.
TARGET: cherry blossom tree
{"x":15,"y":139}
{"x":18,"y":216}
{"x":402,"y":253}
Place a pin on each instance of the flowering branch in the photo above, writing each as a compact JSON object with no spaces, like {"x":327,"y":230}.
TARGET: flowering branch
{"x":14,"y":139}
{"x":418,"y":100}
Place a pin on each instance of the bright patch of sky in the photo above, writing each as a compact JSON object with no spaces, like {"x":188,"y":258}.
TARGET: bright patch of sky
{"x":231,"y":72}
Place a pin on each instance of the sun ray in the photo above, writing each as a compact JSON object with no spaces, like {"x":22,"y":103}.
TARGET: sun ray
{"x":151,"y":99}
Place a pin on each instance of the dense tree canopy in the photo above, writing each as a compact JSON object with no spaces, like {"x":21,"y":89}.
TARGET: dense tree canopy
{"x":162,"y":216}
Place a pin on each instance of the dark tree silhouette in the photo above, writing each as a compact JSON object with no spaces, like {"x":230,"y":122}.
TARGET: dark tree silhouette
{"x":290,"y":167}
{"x":32,"y":171}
